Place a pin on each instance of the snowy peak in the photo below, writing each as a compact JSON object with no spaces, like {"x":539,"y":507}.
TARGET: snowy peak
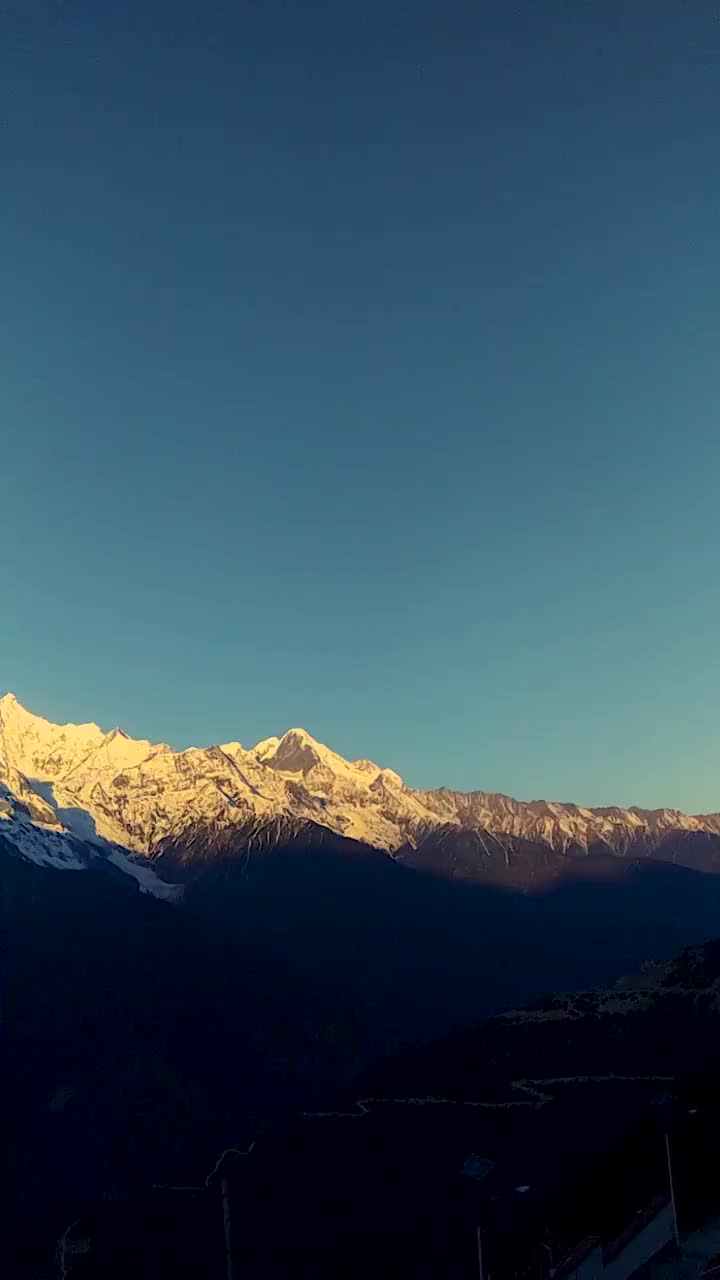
{"x":53,"y":752}
{"x":296,"y":752}
{"x":265,"y":748}
{"x":38,"y":748}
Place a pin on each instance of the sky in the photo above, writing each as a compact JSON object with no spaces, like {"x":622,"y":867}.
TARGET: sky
{"x":360,"y":370}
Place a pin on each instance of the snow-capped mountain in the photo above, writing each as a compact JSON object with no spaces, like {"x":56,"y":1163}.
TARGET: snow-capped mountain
{"x":307,"y":943}
{"x":69,"y":792}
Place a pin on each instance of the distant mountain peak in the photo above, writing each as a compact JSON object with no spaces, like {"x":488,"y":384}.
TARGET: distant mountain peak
{"x":296,"y":752}
{"x":301,"y":735}
{"x":9,"y":703}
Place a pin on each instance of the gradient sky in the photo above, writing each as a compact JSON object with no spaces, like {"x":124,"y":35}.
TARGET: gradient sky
{"x":360,"y":369}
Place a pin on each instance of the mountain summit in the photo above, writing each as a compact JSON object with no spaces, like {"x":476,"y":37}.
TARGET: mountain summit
{"x":64,"y":784}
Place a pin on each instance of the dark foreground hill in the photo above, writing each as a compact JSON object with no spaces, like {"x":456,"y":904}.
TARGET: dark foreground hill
{"x":139,"y":1037}
{"x":540,"y":1126}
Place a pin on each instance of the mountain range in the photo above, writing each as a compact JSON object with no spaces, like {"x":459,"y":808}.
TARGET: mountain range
{"x":74,"y":792}
{"x":196,"y":943}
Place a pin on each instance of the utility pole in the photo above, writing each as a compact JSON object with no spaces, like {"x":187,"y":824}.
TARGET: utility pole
{"x":225,"y":1189}
{"x":479,"y":1253}
{"x":672,"y":1189}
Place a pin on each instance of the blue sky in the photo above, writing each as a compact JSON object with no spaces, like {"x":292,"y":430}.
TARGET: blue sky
{"x":359,"y":369}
